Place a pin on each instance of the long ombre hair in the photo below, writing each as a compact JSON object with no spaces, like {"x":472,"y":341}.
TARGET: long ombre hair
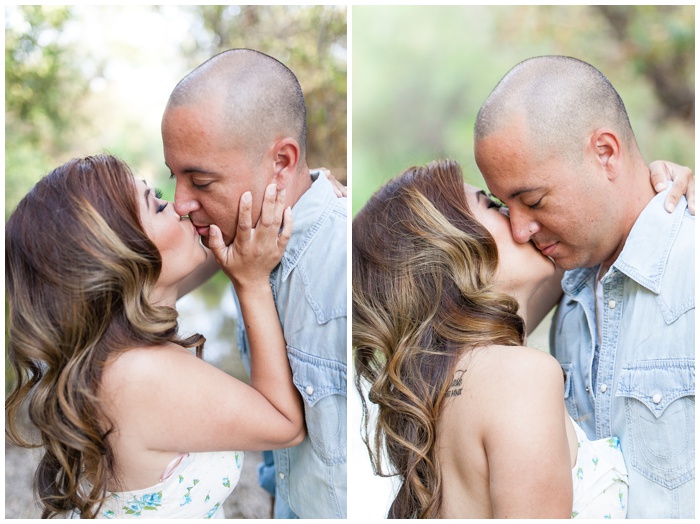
{"x":79,"y":271}
{"x":422,"y":296}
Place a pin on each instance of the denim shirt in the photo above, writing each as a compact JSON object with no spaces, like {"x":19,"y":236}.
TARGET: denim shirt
{"x":643,"y":387}
{"x":310,"y":290}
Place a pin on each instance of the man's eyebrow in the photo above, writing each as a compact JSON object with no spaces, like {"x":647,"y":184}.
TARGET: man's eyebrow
{"x":192,"y":169}
{"x":522,"y":190}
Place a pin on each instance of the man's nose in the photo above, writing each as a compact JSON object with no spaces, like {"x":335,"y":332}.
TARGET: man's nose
{"x":522,"y":226}
{"x":184,"y":204}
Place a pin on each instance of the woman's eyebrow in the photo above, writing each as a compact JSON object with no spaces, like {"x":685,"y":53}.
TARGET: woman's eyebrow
{"x":145,"y":195}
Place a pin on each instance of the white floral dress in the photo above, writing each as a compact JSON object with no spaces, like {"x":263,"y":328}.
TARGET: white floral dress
{"x":195,"y":488}
{"x":600,"y":479}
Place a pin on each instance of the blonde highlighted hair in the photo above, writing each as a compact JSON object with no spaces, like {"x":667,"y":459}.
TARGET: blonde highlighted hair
{"x":79,"y":271}
{"x":422,"y":296}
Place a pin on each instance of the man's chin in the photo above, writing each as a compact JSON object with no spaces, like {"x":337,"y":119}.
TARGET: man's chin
{"x":569,"y":263}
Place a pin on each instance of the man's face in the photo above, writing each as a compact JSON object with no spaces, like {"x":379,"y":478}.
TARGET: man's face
{"x":210,"y":170}
{"x":561,"y":206}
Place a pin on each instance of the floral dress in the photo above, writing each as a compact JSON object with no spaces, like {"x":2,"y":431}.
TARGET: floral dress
{"x":195,"y":488}
{"x":600,"y":479}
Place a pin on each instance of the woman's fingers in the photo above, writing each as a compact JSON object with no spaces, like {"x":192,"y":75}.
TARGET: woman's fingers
{"x":286,"y":232}
{"x":217,"y":246}
{"x":683,"y":183}
{"x":245,"y":219}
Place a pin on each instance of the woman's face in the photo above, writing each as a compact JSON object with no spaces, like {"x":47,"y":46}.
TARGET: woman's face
{"x":177,"y":240}
{"x":518,"y":264}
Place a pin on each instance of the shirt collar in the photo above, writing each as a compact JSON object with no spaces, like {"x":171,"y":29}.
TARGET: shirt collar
{"x":646,"y":251}
{"x":310,"y":213}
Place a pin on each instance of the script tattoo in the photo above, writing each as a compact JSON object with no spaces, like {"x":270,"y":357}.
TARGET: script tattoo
{"x":455,"y":388}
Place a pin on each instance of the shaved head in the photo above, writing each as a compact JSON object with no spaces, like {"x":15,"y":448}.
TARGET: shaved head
{"x":560,"y":99}
{"x":257,"y":98}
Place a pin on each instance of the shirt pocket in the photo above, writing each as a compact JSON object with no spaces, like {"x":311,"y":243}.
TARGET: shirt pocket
{"x":659,"y":400}
{"x":322,"y":384}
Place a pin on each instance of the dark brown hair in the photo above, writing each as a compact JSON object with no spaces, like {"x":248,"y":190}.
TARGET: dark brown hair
{"x":422,"y":274}
{"x":79,"y":270}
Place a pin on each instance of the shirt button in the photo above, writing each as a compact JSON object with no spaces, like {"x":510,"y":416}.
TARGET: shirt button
{"x":282,"y":475}
{"x":612,"y":304}
{"x":656,"y":398}
{"x":603,"y":388}
{"x":588,"y":390}
{"x":309,"y":390}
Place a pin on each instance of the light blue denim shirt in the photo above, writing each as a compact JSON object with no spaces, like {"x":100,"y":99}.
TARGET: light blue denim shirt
{"x":644,"y":388}
{"x":310,"y":290}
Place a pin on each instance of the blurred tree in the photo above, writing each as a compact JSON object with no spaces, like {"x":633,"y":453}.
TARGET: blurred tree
{"x":41,"y":78}
{"x":659,"y":43}
{"x":311,"y":41}
{"x":416,"y":94}
{"x":43,"y":87}
{"x":655,"y":42}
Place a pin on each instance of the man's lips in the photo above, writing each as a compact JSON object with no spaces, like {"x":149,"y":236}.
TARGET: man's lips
{"x":547,"y":249}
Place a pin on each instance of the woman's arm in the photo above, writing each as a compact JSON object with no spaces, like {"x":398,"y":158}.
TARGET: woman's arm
{"x":248,"y":263}
{"x":529,"y":460}
{"x":172,"y":401}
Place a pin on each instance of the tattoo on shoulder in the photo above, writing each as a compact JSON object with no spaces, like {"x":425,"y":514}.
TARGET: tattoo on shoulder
{"x":455,"y":388}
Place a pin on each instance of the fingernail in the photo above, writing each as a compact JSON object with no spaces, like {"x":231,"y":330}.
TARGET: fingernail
{"x":247,"y":197}
{"x":283,"y":192}
{"x":660,"y":186}
{"x":670,"y":207}
{"x":272,"y":189}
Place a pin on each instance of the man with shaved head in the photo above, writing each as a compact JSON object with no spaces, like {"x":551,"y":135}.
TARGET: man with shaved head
{"x":237,"y":124}
{"x":554,"y":143}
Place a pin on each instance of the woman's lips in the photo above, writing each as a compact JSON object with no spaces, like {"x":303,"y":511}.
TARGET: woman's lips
{"x":202,"y":230}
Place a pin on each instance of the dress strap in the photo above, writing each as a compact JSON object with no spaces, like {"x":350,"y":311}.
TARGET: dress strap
{"x":171,"y":467}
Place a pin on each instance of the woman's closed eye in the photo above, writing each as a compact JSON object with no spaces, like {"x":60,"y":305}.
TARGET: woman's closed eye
{"x":159,"y":194}
{"x":494,"y":201}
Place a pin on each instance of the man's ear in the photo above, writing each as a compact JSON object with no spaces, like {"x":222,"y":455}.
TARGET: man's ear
{"x":285,"y":157}
{"x":604,"y":145}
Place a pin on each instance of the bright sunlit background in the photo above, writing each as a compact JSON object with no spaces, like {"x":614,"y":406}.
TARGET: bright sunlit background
{"x":83,"y":80}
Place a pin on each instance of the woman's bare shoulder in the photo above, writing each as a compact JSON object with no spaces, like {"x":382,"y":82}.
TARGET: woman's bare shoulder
{"x":509,"y":366}
{"x":143,"y":367}
{"x":496,"y":382}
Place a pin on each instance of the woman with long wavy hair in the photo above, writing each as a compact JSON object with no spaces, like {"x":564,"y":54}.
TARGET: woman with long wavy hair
{"x":471,"y":421}
{"x":132,"y":423}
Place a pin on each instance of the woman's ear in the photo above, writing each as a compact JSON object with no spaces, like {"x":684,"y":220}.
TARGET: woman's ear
{"x":285,"y":156}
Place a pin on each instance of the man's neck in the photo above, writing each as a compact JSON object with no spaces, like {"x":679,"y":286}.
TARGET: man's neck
{"x":638,"y":196}
{"x":301,"y":184}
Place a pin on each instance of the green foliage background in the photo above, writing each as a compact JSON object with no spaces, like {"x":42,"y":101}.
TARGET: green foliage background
{"x":74,"y":88}
{"x":420,"y":75}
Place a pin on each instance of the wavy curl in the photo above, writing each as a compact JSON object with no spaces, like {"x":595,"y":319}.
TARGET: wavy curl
{"x":422,"y":295}
{"x":79,"y":271}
